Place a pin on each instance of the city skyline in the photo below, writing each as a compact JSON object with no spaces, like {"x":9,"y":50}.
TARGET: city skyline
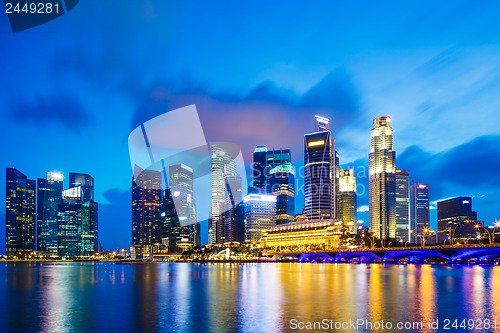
{"x":431,"y":84}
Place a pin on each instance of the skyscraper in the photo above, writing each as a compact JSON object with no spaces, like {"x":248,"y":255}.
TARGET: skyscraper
{"x":90,"y":209}
{"x":146,"y":203}
{"x":20,"y":217}
{"x":260,"y":215}
{"x":456,"y":219}
{"x":347,"y":198}
{"x":402,"y":205}
{"x":419,"y":209}
{"x":319,"y":178}
{"x":69,"y":221}
{"x":259,"y":166}
{"x":48,"y":198}
{"x":181,"y":186}
{"x":382,"y":183}
{"x":282,"y":185}
{"x":223,"y":168}
{"x":274,"y":158}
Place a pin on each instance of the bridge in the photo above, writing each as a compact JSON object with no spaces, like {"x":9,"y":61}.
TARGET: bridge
{"x":446,"y":253}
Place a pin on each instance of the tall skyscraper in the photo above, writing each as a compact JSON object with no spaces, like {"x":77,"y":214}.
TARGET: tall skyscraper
{"x":319,"y":178}
{"x":419,"y":210}
{"x":456,"y":219}
{"x":20,"y":217}
{"x":402,"y":205}
{"x":90,"y":209}
{"x":260,"y":215}
{"x":382,"y":182}
{"x":259,"y":167}
{"x":282,"y":185}
{"x":347,"y":198}
{"x":146,"y":204}
{"x":69,"y":221}
{"x":233,"y":221}
{"x":223,"y":169}
{"x":48,"y":199}
{"x":181,"y":185}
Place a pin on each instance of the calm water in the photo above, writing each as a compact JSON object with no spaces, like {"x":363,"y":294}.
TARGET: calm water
{"x":182,"y":297}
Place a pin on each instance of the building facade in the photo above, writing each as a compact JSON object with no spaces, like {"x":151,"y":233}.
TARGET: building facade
{"x":20,"y":214}
{"x":260,"y":215}
{"x":456,"y":219}
{"x":282,"y":185}
{"x":319,"y":173}
{"x":347,"y":198}
{"x":402,"y":205}
{"x":382,"y":182}
{"x":146,"y":204}
{"x":304,"y":236}
{"x":49,"y":197}
{"x":419,"y":210}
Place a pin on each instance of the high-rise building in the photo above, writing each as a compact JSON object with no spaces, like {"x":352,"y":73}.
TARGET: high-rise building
{"x":223,"y":168}
{"x":260,"y":215}
{"x":48,"y":199}
{"x":282,"y":184}
{"x":419,"y":210}
{"x":319,"y":178}
{"x":20,"y":216}
{"x":382,"y":183}
{"x":402,"y":205}
{"x":69,"y":221}
{"x":259,"y":167}
{"x":456,"y":219}
{"x":232,"y":221}
{"x":89,"y":210}
{"x":347,"y":198}
{"x":274,"y":158}
{"x":146,"y":204}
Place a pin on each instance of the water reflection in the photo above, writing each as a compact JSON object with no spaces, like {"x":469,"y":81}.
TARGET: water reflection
{"x":182,"y":297}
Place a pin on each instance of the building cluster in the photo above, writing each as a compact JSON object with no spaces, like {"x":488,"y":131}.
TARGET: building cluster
{"x":163,"y":220}
{"x":43,"y":216}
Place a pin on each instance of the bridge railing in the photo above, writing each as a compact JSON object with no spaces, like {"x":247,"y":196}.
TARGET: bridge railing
{"x":381,"y":249}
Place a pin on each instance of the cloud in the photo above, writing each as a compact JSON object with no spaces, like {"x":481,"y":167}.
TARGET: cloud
{"x":63,"y":110}
{"x":472,"y":166}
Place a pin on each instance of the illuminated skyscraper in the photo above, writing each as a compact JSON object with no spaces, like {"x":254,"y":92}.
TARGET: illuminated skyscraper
{"x":402,"y":205}
{"x":223,"y":167}
{"x":382,"y":182}
{"x":48,"y":198}
{"x":181,"y":186}
{"x":146,"y":203}
{"x":419,"y":210}
{"x":282,"y":185}
{"x":347,"y":198}
{"x":319,"y":178}
{"x":20,"y":217}
{"x":260,"y":215}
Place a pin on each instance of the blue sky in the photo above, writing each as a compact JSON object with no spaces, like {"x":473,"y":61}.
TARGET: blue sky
{"x":72,"y":90}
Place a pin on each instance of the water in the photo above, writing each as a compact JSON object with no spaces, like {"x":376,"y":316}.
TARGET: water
{"x":268,"y":297}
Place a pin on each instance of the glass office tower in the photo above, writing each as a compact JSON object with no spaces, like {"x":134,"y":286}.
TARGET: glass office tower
{"x":48,"y":199}
{"x":402,"y":205}
{"x":419,"y":210}
{"x":20,"y":216}
{"x":319,"y":175}
{"x":282,"y":185}
{"x":146,"y":204}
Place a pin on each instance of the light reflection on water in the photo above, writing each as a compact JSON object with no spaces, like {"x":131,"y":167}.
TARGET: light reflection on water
{"x":182,"y":297}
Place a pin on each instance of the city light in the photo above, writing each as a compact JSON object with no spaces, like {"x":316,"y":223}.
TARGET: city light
{"x":316,"y":143}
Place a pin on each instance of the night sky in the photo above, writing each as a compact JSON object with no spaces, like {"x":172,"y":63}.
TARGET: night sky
{"x":72,"y":90}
